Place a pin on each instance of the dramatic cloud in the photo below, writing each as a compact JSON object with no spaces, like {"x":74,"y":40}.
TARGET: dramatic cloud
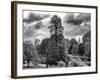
{"x":32,"y":17}
{"x":36,"y":25}
{"x":35,"y":29}
{"x":76,"y":24}
{"x":77,"y":20}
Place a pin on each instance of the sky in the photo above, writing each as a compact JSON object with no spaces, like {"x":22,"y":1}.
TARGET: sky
{"x":35,"y":24}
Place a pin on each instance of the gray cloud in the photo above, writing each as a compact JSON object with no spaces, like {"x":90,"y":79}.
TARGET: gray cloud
{"x":77,"y":24}
{"x":77,"y":20}
{"x":74,"y":30}
{"x":38,"y":25}
{"x":28,"y":31}
{"x":73,"y":25}
{"x":32,"y":17}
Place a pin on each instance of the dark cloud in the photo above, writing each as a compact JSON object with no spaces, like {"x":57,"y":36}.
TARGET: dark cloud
{"x":42,"y":24}
{"x":38,"y":25}
{"x":84,"y":17}
{"x":30,"y":30}
{"x":77,"y":20}
{"x":35,"y":17}
{"x":77,"y":24}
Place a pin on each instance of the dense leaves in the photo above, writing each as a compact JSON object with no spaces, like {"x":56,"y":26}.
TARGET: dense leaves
{"x":27,"y":50}
{"x":57,"y":50}
{"x":87,"y":43}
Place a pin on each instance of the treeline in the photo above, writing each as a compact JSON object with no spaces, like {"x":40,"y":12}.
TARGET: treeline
{"x":81,"y":48}
{"x":36,"y":53}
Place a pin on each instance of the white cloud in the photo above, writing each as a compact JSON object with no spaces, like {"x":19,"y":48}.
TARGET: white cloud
{"x":69,"y":30}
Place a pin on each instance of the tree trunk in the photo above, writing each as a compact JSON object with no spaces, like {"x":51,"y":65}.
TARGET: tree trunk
{"x":28,"y":65}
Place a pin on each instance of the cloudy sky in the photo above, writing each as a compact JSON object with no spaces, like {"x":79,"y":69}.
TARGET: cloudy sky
{"x":36,"y":24}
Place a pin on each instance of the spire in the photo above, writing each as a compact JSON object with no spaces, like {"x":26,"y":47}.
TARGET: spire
{"x":79,"y":40}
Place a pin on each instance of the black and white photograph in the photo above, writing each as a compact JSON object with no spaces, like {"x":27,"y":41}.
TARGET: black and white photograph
{"x":53,"y":39}
{"x":56,"y":39}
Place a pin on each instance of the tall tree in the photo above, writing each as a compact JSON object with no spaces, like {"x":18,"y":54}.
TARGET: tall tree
{"x":54,"y":47}
{"x":73,"y":42}
{"x":27,"y":51}
{"x":73,"y":46}
{"x":87,"y":43}
{"x":81,"y":49}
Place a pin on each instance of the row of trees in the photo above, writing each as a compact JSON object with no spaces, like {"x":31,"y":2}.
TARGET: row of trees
{"x":83,"y":48}
{"x":73,"y":47}
{"x":56,"y":48}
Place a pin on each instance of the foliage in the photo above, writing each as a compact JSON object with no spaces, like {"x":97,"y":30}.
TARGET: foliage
{"x":87,"y":43}
{"x":27,"y":51}
{"x":56,"y":26}
{"x":54,"y":47}
{"x":81,"y":50}
{"x":73,"y":42}
{"x":73,"y":46}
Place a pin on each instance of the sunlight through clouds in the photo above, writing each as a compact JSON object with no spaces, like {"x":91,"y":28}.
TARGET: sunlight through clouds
{"x":36,"y":24}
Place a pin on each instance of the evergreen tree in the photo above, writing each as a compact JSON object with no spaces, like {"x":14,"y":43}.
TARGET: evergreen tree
{"x":87,"y":43}
{"x":54,"y":47}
